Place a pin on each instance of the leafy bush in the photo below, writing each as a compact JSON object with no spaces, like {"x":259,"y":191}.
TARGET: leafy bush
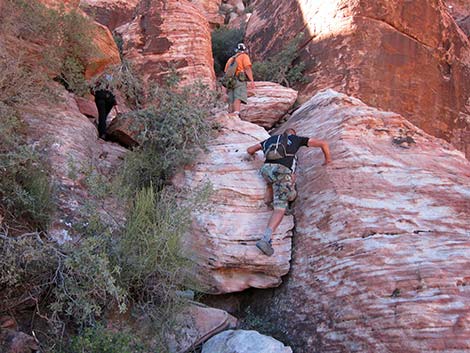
{"x":65,"y":38}
{"x":87,"y":282}
{"x":123,"y":78}
{"x":26,"y":194}
{"x":26,"y":265}
{"x":101,"y":340}
{"x":282,"y":67}
{"x":224,"y":42}
{"x":143,"y":267}
{"x":174,"y":130}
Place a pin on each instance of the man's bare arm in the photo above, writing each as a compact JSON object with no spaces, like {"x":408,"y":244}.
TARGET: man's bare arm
{"x":253,"y":149}
{"x":249,"y":74}
{"x":324,"y":147}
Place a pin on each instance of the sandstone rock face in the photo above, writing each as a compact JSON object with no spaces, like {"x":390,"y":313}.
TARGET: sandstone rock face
{"x":222,"y":241}
{"x":405,"y":56}
{"x":168,"y":34}
{"x":268,"y":103}
{"x":197,"y":324}
{"x":382,"y":237}
{"x":211,"y":10}
{"x":107,"y":52}
{"x":70,"y":143}
{"x":111,"y":13}
{"x":460,"y":11}
{"x":241,"y":341}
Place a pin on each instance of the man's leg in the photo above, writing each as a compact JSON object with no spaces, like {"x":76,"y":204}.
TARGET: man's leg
{"x":102,"y":114}
{"x":268,"y":195}
{"x":230,"y":99}
{"x":282,"y":184}
{"x":274,"y":221}
{"x":236,"y":105}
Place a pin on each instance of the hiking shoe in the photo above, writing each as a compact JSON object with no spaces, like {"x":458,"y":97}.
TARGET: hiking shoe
{"x":265,"y":247}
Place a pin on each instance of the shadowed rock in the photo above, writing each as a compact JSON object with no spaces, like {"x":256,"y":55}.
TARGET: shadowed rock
{"x":405,"y":56}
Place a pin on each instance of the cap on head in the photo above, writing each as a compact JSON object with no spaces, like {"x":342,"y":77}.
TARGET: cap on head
{"x":240,"y":47}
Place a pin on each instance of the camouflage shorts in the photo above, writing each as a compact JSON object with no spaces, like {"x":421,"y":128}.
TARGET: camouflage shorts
{"x":283,"y":186}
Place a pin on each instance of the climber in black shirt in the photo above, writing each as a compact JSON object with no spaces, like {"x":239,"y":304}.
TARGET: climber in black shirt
{"x":278,"y":171}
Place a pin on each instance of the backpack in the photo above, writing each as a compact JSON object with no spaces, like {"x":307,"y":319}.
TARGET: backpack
{"x":277,"y":150}
{"x":229,"y":79}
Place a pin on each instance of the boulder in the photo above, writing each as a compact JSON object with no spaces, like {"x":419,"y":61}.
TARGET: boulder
{"x":241,"y":341}
{"x":110,"y":13}
{"x":14,"y":341}
{"x":70,"y":143}
{"x":267,"y":104}
{"x":222,"y":239}
{"x":239,"y":22}
{"x":87,"y":107}
{"x":124,"y":131}
{"x":237,"y":5}
{"x":197,"y":324}
{"x":210,"y":8}
{"x":107,"y":52}
{"x":167,"y":36}
{"x":382,"y":237}
{"x":405,"y":56}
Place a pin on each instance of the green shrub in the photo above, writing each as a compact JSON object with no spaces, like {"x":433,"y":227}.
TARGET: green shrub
{"x":125,"y":79}
{"x":26,"y":265}
{"x":87,"y":282}
{"x":282,"y":67}
{"x":65,"y":38}
{"x":150,"y":253}
{"x":224,"y":42}
{"x":101,"y":340}
{"x":26,"y":194}
{"x":174,"y":130}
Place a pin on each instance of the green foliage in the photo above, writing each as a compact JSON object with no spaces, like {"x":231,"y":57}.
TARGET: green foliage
{"x":26,"y":194}
{"x":26,"y":265}
{"x":174,"y":130}
{"x":87,"y":282}
{"x":101,"y":340}
{"x":224,"y":42}
{"x":65,"y":38}
{"x":282,"y":67}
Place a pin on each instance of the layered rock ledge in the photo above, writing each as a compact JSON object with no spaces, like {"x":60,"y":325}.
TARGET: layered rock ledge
{"x":222,"y":241}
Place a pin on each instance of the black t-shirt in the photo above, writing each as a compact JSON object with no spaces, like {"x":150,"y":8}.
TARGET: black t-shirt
{"x":293,"y":145}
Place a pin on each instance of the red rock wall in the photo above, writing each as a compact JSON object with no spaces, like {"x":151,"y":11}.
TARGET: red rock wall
{"x":211,"y":10}
{"x":111,"y":13}
{"x":460,"y":11}
{"x":381,"y":248}
{"x":169,"y":33}
{"x":405,"y":56}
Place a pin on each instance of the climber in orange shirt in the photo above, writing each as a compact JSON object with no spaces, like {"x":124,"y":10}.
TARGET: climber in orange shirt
{"x":238,"y":94}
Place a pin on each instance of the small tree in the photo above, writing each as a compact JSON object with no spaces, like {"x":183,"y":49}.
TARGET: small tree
{"x":282,"y":68}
